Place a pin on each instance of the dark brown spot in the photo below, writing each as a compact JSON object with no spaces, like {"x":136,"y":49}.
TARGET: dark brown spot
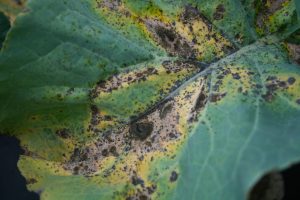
{"x":143,"y":197}
{"x":216,"y":97}
{"x":200,"y":102}
{"x":291,"y":80}
{"x":268,"y":96}
{"x":78,"y":155}
{"x":113,"y":151}
{"x":137,"y":181}
{"x":104,"y":152}
{"x":76,"y":170}
{"x":165,"y":110}
{"x":236,"y":76}
{"x":173,"y":176}
{"x":141,"y":130}
{"x":168,"y":38}
{"x":190,"y":13}
{"x":31,"y":181}
{"x":63,"y":133}
{"x":282,"y":84}
{"x":219,"y":13}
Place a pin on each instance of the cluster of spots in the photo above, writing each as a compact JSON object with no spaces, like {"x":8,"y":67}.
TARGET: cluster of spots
{"x":130,"y":149}
{"x":179,"y":65}
{"x":273,"y":84}
{"x":248,"y":82}
{"x":111,"y":4}
{"x":96,"y":118}
{"x":272,"y":14}
{"x":142,"y":193}
{"x":106,"y":94}
{"x":140,"y":137}
{"x":117,"y":81}
{"x":188,"y":35}
{"x":170,"y":40}
{"x":219,"y":13}
{"x":203,"y":37}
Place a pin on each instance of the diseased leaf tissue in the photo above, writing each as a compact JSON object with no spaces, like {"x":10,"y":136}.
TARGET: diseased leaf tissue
{"x":156,"y":99}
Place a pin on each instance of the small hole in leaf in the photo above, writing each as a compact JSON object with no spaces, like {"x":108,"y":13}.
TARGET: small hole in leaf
{"x":278,"y":185}
{"x":291,"y":177}
{"x":269,"y":187}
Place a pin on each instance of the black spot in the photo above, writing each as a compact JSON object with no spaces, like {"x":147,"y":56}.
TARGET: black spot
{"x":291,"y":80}
{"x":282,"y":84}
{"x":236,"y":76}
{"x":298,"y":101}
{"x":165,"y":34}
{"x":104,"y":152}
{"x":141,"y":130}
{"x":200,"y":102}
{"x":173,"y":176}
{"x":137,"y":181}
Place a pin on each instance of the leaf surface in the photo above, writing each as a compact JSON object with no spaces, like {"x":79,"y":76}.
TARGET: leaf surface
{"x":151,"y":99}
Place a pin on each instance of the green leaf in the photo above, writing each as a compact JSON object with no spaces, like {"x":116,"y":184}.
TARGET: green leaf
{"x":151,"y":99}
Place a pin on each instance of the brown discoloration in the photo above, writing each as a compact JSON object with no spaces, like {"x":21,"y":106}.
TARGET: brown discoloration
{"x":165,"y":110}
{"x":31,"y":181}
{"x":219,"y":13}
{"x":273,"y":84}
{"x":141,"y":130}
{"x":110,"y":4}
{"x":178,"y":65}
{"x":190,"y":13}
{"x":265,"y":9}
{"x":236,"y":76}
{"x":63,"y":133}
{"x":215,"y":97}
{"x":115,"y":82}
{"x":95,"y":118}
{"x":201,"y":101}
{"x":294,"y":52}
{"x":135,"y":180}
{"x":143,"y":193}
{"x":169,"y":39}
